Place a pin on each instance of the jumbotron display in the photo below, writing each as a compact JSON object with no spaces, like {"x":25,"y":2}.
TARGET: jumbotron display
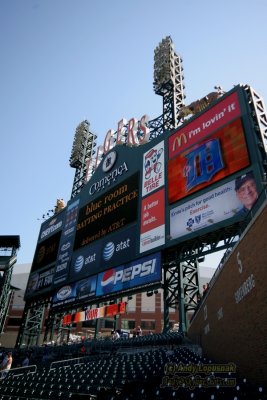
{"x":110,"y":239}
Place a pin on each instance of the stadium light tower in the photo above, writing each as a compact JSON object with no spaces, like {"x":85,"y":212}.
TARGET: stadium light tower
{"x":82,"y":151}
{"x":168,"y":81}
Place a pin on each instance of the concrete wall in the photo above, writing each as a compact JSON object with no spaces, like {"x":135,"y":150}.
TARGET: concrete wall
{"x":231,"y":322}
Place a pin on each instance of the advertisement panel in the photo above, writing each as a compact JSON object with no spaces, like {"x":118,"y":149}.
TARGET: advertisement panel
{"x":86,"y":288}
{"x":212,"y":159}
{"x":66,"y":243}
{"x":40,"y":280}
{"x":232,"y":199}
{"x":152,"y":232}
{"x":80,"y":290}
{"x":51,"y":226}
{"x":85,"y":261}
{"x":217,"y":116}
{"x":108,"y":213}
{"x":153,"y":169}
{"x":118,"y":248}
{"x":140,"y":272}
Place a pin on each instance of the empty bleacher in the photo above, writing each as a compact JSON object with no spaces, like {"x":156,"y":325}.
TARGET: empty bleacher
{"x":150,"y":367}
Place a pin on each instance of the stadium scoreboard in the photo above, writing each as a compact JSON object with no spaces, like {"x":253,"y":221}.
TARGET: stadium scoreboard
{"x":142,"y":200}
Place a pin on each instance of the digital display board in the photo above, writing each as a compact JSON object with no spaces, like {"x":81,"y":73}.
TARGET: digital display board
{"x":112,"y":211}
{"x":209,"y":121}
{"x":210,"y":160}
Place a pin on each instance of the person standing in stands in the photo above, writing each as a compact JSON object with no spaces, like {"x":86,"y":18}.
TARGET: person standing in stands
{"x":6,"y":364}
{"x":138,"y":331}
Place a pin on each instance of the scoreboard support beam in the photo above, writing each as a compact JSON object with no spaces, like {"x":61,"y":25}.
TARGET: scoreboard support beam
{"x":31,"y":326}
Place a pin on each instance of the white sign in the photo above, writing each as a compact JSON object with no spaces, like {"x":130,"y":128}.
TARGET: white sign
{"x":153,"y":169}
{"x":203,"y":211}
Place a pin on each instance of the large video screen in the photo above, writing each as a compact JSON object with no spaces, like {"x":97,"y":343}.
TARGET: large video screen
{"x":210,"y":160}
{"x":208,"y":122}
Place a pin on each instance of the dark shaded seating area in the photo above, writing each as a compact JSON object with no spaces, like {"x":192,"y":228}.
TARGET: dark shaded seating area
{"x":163,"y":367}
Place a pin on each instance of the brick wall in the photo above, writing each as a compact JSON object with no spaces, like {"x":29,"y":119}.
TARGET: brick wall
{"x":231,"y":322}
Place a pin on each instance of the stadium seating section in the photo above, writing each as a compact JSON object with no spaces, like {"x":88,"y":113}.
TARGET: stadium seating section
{"x":157,"y":367}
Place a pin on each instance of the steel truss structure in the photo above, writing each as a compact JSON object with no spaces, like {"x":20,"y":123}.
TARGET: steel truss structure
{"x":259,"y":117}
{"x":181,"y":262}
{"x":31,"y":326}
{"x":9,"y":246}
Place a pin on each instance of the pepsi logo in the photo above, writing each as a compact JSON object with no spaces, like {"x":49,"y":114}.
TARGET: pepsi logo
{"x":107,"y":280}
{"x":79,"y":264}
{"x":120,"y":275}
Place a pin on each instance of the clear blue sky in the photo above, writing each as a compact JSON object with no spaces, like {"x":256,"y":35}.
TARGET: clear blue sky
{"x":64,"y":61}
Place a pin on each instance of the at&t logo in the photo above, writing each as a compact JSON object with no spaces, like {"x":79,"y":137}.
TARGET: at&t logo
{"x":111,"y":248}
{"x":78,"y":264}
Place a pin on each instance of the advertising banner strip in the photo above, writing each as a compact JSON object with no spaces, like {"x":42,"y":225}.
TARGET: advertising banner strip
{"x":217,"y":116}
{"x":95,"y":313}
